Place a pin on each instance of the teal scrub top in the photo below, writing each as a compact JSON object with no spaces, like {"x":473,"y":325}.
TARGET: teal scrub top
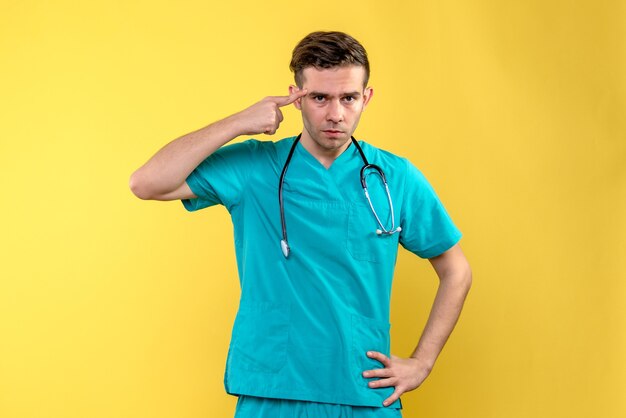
{"x":305,"y":322}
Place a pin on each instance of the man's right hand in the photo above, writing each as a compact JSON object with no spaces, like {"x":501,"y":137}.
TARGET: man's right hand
{"x":264,"y":117}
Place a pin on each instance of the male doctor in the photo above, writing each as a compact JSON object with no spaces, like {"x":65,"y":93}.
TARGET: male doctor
{"x":318,"y":218}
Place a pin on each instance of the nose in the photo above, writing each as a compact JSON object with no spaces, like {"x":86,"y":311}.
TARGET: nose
{"x":334,"y":111}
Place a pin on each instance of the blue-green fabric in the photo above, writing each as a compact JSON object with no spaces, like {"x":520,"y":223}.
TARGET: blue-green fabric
{"x":304,"y":323}
{"x":253,"y":407}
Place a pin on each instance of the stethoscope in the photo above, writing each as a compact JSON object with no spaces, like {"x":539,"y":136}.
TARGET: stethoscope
{"x":366,"y":166}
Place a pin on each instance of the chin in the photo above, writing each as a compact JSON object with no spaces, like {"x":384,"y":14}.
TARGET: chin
{"x":333,"y":144}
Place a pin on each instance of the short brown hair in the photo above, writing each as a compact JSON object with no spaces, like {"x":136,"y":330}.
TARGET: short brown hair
{"x":327,"y":50}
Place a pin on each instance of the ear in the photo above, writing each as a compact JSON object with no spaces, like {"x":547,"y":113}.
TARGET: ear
{"x":292,"y":90}
{"x":368,"y":93}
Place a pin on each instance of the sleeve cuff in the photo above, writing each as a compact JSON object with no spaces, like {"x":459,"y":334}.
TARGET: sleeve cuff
{"x":198,"y":202}
{"x":442,"y":247}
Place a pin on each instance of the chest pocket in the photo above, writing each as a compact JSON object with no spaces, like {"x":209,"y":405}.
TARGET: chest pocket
{"x":363,"y":242}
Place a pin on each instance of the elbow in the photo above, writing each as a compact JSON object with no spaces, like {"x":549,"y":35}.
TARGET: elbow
{"x":138,"y":186}
{"x":462,"y":278}
{"x":467,"y":279}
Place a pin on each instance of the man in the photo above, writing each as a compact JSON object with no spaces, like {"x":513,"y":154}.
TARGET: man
{"x":315,"y":253}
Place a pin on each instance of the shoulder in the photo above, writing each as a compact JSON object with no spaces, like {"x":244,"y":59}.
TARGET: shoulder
{"x":385,"y":158}
{"x":398,"y":167}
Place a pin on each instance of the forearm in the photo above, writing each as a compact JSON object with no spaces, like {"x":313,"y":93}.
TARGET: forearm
{"x":445,"y":312}
{"x":173,"y":163}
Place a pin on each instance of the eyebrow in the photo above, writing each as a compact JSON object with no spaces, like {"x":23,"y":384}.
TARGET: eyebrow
{"x":317,"y":93}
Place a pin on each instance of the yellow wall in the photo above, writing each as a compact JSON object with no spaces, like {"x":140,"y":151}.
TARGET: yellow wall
{"x":115,"y":307}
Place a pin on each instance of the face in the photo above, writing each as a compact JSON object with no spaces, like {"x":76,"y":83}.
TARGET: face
{"x":332,"y":107}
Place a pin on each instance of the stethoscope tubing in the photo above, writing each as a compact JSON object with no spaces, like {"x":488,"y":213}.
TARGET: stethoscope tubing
{"x":284,"y":243}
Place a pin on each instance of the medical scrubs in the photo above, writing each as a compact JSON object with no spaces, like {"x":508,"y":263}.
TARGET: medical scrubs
{"x":305,"y":322}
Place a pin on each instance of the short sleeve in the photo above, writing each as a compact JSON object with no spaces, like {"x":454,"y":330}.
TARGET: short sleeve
{"x":427,"y":229}
{"x":221,"y":177}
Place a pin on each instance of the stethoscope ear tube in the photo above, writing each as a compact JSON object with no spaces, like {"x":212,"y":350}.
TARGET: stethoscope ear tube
{"x":373,"y":167}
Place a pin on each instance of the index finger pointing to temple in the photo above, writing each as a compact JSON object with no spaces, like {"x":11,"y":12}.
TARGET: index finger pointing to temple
{"x":286,"y":100}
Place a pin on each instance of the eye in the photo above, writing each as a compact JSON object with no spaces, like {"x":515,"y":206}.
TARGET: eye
{"x":318,"y":98}
{"x":349,"y":98}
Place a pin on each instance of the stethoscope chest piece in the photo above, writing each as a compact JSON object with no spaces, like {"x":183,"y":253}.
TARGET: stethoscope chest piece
{"x":285,"y":247}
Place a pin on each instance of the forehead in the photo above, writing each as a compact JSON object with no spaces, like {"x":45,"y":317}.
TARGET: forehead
{"x":334,"y":80}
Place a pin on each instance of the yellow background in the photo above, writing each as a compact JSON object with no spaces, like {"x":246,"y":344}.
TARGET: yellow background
{"x":111,"y":306}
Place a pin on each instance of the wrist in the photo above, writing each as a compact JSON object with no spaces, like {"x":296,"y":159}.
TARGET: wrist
{"x":233,"y":126}
{"x":424,"y":362}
